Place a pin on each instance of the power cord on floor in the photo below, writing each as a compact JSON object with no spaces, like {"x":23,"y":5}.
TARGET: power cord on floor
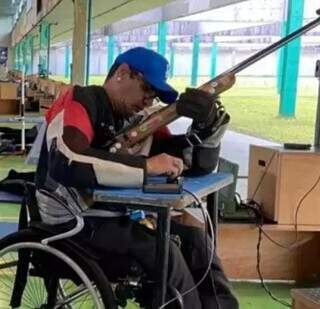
{"x":256,"y":209}
{"x":275,"y":298}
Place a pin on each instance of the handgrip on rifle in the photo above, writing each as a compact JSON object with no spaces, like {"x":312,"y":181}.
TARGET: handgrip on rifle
{"x":219,"y":84}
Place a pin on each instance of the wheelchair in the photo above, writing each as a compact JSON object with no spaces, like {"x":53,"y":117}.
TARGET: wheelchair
{"x":41,"y":269}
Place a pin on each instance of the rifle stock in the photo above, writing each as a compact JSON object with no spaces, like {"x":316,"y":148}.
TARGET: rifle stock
{"x":217,"y":85}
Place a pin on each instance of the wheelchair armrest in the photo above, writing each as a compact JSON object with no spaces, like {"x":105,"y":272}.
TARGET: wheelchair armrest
{"x":50,"y":230}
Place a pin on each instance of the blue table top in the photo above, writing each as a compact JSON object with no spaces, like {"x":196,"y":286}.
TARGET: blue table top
{"x":200,"y":186}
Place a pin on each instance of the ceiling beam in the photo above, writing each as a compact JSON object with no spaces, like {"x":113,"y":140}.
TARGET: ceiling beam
{"x":174,"y":10}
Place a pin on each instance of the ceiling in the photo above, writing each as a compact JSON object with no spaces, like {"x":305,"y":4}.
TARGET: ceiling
{"x":102,"y":13}
{"x":112,"y":12}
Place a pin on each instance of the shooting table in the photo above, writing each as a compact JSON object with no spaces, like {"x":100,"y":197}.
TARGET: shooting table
{"x":203,"y":187}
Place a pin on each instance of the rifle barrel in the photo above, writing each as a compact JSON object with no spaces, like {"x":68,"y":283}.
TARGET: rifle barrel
{"x":270,"y":49}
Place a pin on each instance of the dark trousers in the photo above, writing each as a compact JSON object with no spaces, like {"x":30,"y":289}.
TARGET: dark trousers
{"x":187,"y":264}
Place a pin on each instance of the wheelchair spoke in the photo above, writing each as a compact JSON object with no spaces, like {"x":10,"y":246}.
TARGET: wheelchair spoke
{"x":68,"y":298}
{"x":7,"y":271}
{"x":63,"y":295}
{"x":38,"y":291}
{"x":79,"y":297}
{"x":34,"y":276}
{"x":8,"y":265}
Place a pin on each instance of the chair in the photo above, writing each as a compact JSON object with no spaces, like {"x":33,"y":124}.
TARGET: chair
{"x":42,"y":269}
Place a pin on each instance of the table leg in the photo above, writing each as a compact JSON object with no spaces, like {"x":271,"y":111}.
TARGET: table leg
{"x":162,"y":255}
{"x":212,"y":206}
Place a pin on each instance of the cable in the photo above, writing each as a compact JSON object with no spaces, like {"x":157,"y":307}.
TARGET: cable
{"x":300,"y":203}
{"x":263,"y":175}
{"x":198,"y":201}
{"x":239,"y":203}
{"x":257,"y":209}
{"x":293,"y":244}
{"x":282,"y":302}
{"x":260,"y":221}
{"x":207,"y":217}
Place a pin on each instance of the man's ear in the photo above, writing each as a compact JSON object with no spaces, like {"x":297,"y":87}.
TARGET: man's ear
{"x":122,"y":72}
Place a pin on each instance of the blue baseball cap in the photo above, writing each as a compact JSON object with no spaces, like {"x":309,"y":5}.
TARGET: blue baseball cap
{"x":154,"y":69}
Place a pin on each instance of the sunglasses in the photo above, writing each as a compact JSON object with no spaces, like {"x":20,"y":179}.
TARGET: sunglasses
{"x":145,"y":86}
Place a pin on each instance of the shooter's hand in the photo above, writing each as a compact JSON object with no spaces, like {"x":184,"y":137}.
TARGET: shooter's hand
{"x":164,"y":164}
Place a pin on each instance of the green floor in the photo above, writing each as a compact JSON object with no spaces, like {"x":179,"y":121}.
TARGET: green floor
{"x":253,"y":296}
{"x":250,"y":295}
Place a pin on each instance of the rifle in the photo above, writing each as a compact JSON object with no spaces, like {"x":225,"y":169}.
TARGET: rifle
{"x":224,"y":81}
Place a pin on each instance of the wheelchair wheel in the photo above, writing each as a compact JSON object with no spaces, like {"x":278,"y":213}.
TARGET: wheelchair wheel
{"x":44,"y":277}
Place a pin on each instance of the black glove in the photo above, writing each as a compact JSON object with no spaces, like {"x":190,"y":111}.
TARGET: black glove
{"x":198,"y":105}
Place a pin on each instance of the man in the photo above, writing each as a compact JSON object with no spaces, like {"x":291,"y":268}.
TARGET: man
{"x":73,"y":158}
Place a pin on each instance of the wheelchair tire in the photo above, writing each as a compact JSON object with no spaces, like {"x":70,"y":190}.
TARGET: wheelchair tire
{"x":50,"y":277}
